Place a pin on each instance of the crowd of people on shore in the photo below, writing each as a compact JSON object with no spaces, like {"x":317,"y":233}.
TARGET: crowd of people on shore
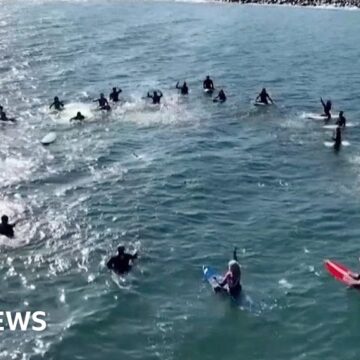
{"x":313,"y":3}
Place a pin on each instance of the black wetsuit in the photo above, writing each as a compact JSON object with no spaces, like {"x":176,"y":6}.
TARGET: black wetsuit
{"x":327,"y":108}
{"x":156,"y":97}
{"x":7,"y":230}
{"x":3,"y":117}
{"x":208,"y":84}
{"x":121,"y":263}
{"x":342,"y":121}
{"x":221,"y":97}
{"x":337,"y":139}
{"x":114,"y":96}
{"x":58,"y":105}
{"x":79,"y":117}
{"x":183,"y":89}
{"x":103,"y":103}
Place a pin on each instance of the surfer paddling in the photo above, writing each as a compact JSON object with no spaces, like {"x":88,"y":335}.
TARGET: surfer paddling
{"x":264,"y":98}
{"x":327,"y":108}
{"x":6,"y":229}
{"x":122,"y":262}
{"x":231,"y":280}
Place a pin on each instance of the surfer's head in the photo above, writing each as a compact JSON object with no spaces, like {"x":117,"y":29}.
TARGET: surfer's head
{"x":4,"y":219}
{"x":341,"y":113}
{"x":121,"y":249}
{"x":56,"y":99}
{"x":114,"y":89}
{"x":101,"y":95}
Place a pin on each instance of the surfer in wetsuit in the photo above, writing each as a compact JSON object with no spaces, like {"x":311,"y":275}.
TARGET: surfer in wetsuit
{"x":6,"y":228}
{"x":79,"y":116}
{"x":327,"y":108}
{"x":3,"y":117}
{"x":342,"y":120}
{"x":184,"y":90}
{"x":103,"y":103}
{"x":221,"y":97}
{"x":114,"y":96}
{"x":263,"y":97}
{"x":232,"y":278}
{"x":122,"y":262}
{"x":337,"y":139}
{"x":208,"y":84}
{"x":57,"y":104}
{"x":156,"y":96}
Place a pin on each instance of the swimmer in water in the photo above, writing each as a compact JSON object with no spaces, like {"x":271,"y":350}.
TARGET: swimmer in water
{"x":263,"y":97}
{"x":327,"y":108}
{"x":184,"y":90}
{"x":156,"y":97}
{"x":57,"y":104}
{"x":342,"y":120}
{"x":114,"y":96}
{"x":79,"y":116}
{"x":3,"y":117}
{"x":232,"y":279}
{"x":103,"y":103}
{"x":208,"y":84}
{"x":122,"y":262}
{"x":6,"y":229}
{"x":221,"y":97}
{"x":337,"y":138}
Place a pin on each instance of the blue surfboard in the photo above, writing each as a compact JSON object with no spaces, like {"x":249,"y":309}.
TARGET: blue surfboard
{"x":213,"y":278}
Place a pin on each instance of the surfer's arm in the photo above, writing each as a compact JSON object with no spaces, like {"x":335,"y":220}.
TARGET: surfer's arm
{"x":51,"y":105}
{"x":161,"y":94}
{"x":270,"y":98}
{"x":322,"y":102}
{"x":177,"y":85}
{"x":235,"y":254}
{"x":224,"y":282}
{"x":110,"y":264}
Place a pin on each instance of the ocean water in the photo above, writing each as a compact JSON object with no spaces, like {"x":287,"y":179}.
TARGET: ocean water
{"x":183,"y":183}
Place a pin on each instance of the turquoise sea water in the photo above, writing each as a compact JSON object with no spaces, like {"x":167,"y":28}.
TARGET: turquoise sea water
{"x":184,"y":184}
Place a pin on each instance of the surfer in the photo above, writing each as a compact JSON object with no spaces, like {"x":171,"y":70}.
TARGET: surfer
{"x":79,"y":116}
{"x":232,"y":278}
{"x":103,"y":103}
{"x":221,"y":97}
{"x":114,"y":96}
{"x":6,"y":228}
{"x":184,"y":90}
{"x":3,"y":117}
{"x":122,"y":262}
{"x":208,"y":84}
{"x":263,"y":97}
{"x":156,"y":96}
{"x":337,"y":138}
{"x":342,"y":120}
{"x":57,"y":104}
{"x":327,"y":108}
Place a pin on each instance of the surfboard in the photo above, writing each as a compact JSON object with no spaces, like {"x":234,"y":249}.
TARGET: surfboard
{"x":49,"y":138}
{"x":261,"y":104}
{"x":321,"y":117}
{"x":332,"y":143}
{"x":213,"y":278}
{"x":208,"y":91}
{"x":334,"y":126}
{"x":339,"y":272}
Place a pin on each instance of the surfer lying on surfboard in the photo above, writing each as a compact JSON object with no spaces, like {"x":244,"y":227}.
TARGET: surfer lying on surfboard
{"x":57,"y":104}
{"x":79,"y":116}
{"x":231,"y":280}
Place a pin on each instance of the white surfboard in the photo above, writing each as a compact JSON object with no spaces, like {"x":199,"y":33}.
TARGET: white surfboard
{"x":208,"y":91}
{"x":332,"y":143}
{"x":258,"y":103}
{"x":321,"y":117}
{"x":334,"y":126}
{"x":49,"y":138}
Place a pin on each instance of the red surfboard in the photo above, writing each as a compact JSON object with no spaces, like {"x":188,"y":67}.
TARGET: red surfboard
{"x":339,"y":272}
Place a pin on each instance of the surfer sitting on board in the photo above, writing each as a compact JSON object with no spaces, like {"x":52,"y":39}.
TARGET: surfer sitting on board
{"x":342,"y":120}
{"x":184,"y":90}
{"x":122,"y":262}
{"x":103,"y":103}
{"x":327,"y":108}
{"x":208,"y":84}
{"x":232,"y":278}
{"x":114,"y":96}
{"x":6,"y":228}
{"x":156,"y":96}
{"x":337,"y":138}
{"x":57,"y":104}
{"x":79,"y":116}
{"x":263,"y":97}
{"x":3,"y":117}
{"x":221,"y":97}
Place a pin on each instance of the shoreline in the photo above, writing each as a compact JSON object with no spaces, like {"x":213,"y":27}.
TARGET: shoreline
{"x":319,"y":4}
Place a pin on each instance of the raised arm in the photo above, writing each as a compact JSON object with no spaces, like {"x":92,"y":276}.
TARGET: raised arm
{"x":235,"y":254}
